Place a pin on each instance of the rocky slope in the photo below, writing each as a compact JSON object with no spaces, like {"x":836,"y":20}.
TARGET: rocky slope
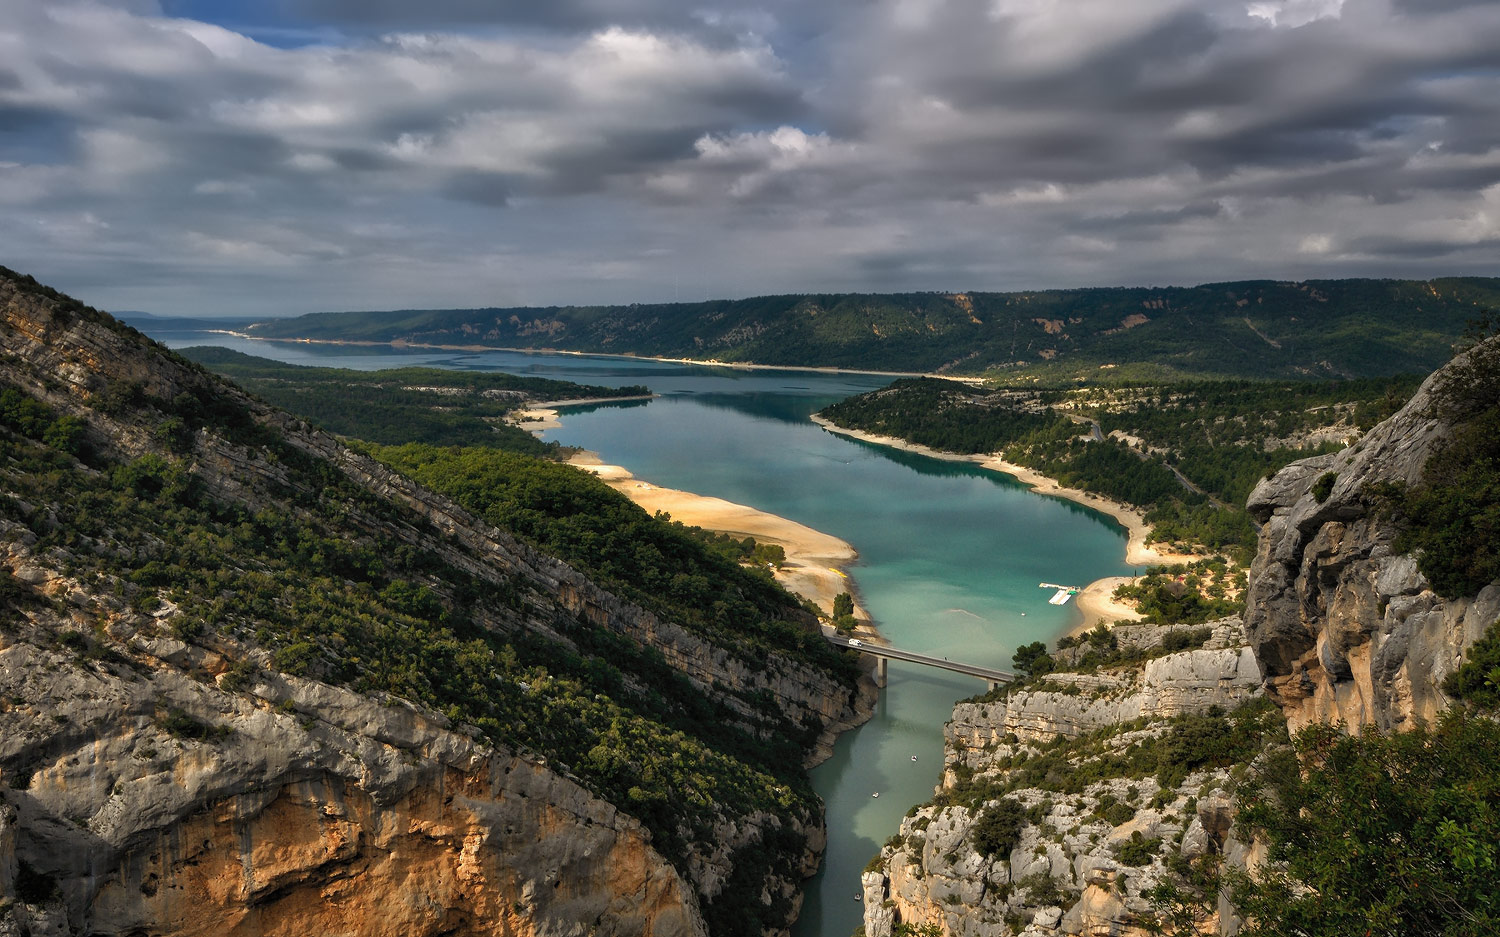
{"x":1346,"y":628}
{"x":1108,"y":791}
{"x":175,"y":760}
{"x":317,"y":810}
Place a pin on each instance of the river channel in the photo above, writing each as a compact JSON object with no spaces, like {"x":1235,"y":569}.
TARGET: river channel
{"x":950,"y":555}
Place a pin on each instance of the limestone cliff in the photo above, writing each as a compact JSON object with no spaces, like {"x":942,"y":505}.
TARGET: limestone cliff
{"x":304,"y":809}
{"x":1346,"y":628}
{"x":1088,"y":762}
{"x":168,"y":771}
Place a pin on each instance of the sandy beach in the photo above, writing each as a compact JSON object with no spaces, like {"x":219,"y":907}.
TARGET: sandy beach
{"x":542,"y":414}
{"x":535,"y":419}
{"x":1096,"y":604}
{"x":814,"y":560}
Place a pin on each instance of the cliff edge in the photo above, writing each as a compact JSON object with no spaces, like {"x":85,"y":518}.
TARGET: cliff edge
{"x":1345,"y":626}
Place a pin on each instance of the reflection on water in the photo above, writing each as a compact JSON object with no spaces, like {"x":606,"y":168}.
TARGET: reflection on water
{"x":577,"y":408}
{"x":949,"y":554}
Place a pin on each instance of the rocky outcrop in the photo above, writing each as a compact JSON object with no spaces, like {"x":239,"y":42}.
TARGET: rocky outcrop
{"x":1345,"y":628}
{"x":1069,"y":874}
{"x":147,"y":800}
{"x":1086,"y":855}
{"x":1223,"y":673}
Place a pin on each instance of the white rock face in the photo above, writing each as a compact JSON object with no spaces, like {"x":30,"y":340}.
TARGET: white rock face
{"x":1185,"y":682}
{"x":1345,"y":628}
{"x":1070,"y":873}
{"x":314,"y":791}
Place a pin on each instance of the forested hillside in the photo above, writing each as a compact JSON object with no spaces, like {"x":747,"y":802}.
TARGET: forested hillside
{"x":1260,"y":329}
{"x":402,"y":405}
{"x":1186,"y":454}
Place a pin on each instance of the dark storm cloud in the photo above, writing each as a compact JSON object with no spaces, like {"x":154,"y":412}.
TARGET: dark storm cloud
{"x":590,"y":149}
{"x":1394,"y":247}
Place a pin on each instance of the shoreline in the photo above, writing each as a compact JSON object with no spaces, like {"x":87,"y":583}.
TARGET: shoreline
{"x":542,"y":415}
{"x":1097,"y":604}
{"x":700,"y":362}
{"x":1094,"y":601}
{"x":815,"y":561}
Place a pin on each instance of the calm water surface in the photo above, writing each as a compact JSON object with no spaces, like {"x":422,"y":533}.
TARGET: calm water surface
{"x":949,"y":555}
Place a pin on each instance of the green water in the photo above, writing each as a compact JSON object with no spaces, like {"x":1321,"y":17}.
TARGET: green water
{"x":950,"y":555}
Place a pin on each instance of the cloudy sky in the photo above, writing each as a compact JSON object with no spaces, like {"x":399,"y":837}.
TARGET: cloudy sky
{"x":283,"y":156}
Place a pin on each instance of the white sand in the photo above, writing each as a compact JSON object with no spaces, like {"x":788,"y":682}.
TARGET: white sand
{"x":814,"y":560}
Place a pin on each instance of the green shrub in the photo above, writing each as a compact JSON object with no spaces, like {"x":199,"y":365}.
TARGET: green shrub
{"x":1138,"y":850}
{"x":1032,"y":659}
{"x":1385,"y":835}
{"x":1182,"y":639}
{"x":180,"y":725}
{"x":998,"y":829}
{"x":1323,"y":487}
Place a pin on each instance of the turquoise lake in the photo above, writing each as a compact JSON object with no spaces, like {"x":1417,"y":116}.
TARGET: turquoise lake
{"x":950,"y":555}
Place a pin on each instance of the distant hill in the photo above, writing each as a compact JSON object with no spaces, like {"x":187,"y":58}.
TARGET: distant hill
{"x":1261,"y":328}
{"x":149,"y":322}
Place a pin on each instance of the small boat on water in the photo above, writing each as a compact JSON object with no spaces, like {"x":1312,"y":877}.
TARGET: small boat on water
{"x":876,"y":794}
{"x":914,"y":758}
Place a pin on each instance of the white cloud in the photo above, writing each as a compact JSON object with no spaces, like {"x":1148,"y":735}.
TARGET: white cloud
{"x":771,"y":146}
{"x":1293,"y":13}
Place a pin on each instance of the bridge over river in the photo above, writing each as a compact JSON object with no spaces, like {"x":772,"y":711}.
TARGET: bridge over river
{"x":883,"y":654}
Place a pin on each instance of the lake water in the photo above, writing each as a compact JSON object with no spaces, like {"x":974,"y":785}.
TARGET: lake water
{"x":949,"y":555}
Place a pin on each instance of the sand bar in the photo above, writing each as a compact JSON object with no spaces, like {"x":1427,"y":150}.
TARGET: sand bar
{"x":814,"y":560}
{"x":541,"y":415}
{"x":535,"y":419}
{"x":1097,"y":603}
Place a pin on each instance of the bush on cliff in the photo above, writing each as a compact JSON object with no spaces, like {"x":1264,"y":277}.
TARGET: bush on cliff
{"x":1378,"y":835}
{"x":998,"y":829}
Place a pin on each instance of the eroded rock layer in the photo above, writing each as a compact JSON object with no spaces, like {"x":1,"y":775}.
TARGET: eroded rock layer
{"x":1346,"y":628}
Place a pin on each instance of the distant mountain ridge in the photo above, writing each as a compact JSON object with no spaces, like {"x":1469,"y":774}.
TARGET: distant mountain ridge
{"x":1259,"y":328}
